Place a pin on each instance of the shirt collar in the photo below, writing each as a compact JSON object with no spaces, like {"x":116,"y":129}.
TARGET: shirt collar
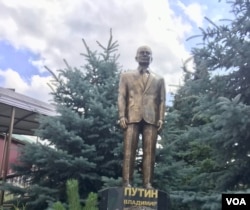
{"x":143,"y":70}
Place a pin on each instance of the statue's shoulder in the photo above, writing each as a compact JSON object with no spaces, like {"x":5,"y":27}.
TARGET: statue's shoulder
{"x":157,"y":76}
{"x":129,"y":72}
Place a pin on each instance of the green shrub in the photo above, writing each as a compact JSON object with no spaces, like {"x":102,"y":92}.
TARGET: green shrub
{"x":74,"y":198}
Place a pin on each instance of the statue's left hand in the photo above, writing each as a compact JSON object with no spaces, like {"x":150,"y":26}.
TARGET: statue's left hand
{"x":124,"y":122}
{"x":159,"y":124}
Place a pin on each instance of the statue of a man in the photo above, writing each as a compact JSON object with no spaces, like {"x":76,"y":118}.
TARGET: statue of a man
{"x":141,"y":104}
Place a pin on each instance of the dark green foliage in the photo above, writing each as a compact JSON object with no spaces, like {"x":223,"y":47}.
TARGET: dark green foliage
{"x":83,"y":142}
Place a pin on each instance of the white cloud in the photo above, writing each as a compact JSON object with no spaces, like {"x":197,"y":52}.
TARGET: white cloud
{"x":39,"y":88}
{"x":39,"y":64}
{"x":13,"y":80}
{"x":194,"y":11}
{"x":36,"y":88}
{"x":54,"y":30}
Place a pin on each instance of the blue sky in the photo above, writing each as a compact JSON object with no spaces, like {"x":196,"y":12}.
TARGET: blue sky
{"x":19,"y":59}
{"x":43,"y":32}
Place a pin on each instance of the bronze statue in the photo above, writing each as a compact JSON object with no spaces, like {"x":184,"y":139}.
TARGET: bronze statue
{"x":141,"y":104}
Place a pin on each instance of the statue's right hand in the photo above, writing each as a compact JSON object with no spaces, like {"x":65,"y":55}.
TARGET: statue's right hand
{"x":123,"y":122}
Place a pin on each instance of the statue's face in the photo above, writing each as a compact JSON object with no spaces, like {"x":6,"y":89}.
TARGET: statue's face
{"x":144,"y":55}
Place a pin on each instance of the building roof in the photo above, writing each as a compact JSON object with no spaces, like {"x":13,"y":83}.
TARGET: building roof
{"x":24,"y":138}
{"x":27,"y":111}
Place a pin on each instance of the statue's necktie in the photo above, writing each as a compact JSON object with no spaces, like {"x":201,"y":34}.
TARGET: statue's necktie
{"x":145,"y":75}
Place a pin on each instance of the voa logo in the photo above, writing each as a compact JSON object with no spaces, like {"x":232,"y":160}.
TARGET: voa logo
{"x":236,"y":201}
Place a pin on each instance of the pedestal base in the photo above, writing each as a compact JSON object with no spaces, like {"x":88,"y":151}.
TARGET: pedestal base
{"x":131,"y":198}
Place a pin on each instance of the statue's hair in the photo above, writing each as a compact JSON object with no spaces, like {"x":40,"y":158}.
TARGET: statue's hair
{"x":144,"y":47}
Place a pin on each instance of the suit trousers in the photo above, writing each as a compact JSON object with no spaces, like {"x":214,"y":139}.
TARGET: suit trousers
{"x":131,"y":137}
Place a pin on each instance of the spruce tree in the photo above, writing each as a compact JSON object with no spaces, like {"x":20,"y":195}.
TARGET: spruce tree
{"x":84,"y":142}
{"x":210,"y":135}
{"x":226,"y":50}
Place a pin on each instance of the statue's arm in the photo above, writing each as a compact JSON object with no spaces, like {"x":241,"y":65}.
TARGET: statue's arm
{"x":162,"y":104}
{"x":122,"y":100}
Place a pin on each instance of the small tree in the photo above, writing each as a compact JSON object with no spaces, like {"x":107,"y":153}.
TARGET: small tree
{"x":73,"y":198}
{"x":91,"y":202}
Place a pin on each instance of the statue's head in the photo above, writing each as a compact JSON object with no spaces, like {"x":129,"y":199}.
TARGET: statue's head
{"x":144,"y":55}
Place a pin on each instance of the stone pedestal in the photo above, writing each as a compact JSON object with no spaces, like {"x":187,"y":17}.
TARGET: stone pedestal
{"x":131,"y":198}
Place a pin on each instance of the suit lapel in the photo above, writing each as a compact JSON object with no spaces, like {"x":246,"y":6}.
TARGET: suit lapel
{"x":139,"y":81}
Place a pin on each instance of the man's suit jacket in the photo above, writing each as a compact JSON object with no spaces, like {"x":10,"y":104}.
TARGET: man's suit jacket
{"x":137,"y":101}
